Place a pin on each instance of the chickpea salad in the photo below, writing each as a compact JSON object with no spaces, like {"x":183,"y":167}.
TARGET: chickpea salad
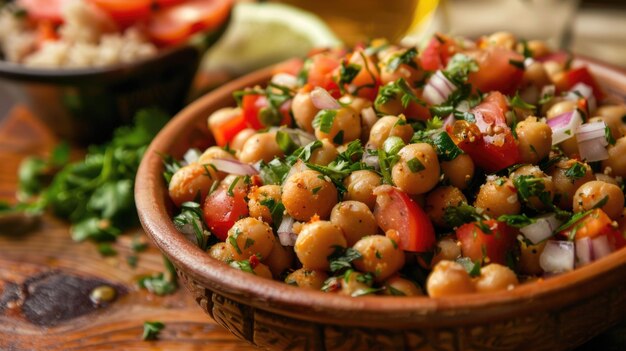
{"x":460,"y":167}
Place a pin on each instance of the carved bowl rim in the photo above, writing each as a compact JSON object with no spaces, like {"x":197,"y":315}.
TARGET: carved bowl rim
{"x":154,"y":211}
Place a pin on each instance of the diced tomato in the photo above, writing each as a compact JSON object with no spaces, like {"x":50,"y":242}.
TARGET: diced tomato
{"x":320,"y":73}
{"x":167,"y":3}
{"x":253,"y":104}
{"x":395,"y":210}
{"x":125,"y":12}
{"x":173,"y":25}
{"x":292,"y":66}
{"x":367,"y":81}
{"x":496,"y":72}
{"x":489,"y":142}
{"x":593,"y":225}
{"x":221,"y":210}
{"x":46,"y":10}
{"x":438,"y":52}
{"x":46,"y":31}
{"x":417,"y":111}
{"x":492,"y":244}
{"x":560,"y":56}
{"x":225,"y":130}
{"x":582,"y":75}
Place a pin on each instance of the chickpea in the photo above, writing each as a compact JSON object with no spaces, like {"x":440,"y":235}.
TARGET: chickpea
{"x":534,"y":140}
{"x":261,"y":146}
{"x":389,"y":126}
{"x":360,"y":186}
{"x":240,"y":139}
{"x":308,"y":193}
{"x":570,"y":147}
{"x":565,"y":186}
{"x":441,"y":198}
{"x":498,"y":197}
{"x":346,"y":126}
{"x":529,"y":258}
{"x":398,"y":286}
{"x":591,"y":193}
{"x":262,"y":271}
{"x":355,"y":284}
{"x":554,"y":69}
{"x":317,"y":241}
{"x":535,"y":74}
{"x":417,"y":171}
{"x":449,"y":278}
{"x":355,"y":220}
{"x":304,"y":111}
{"x":260,"y":195}
{"x":222,"y":252}
{"x":504,"y":40}
{"x":606,"y":178}
{"x":325,"y":154}
{"x":280,"y":259}
{"x":560,"y":108}
{"x":447,"y":249}
{"x":357,"y":103}
{"x":496,"y":277}
{"x":536,"y":172}
{"x":214,"y":152}
{"x":306,"y":278}
{"x":379,"y":256}
{"x":613,"y":115}
{"x":368,"y":119}
{"x":191,"y":180}
{"x":459,"y":172}
{"x":538,"y":48}
{"x":250,"y":236}
{"x":615,"y":165}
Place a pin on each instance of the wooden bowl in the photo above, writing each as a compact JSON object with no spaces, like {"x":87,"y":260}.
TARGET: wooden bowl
{"x":553,"y":314}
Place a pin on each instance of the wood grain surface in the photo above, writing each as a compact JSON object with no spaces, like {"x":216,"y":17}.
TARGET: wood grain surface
{"x":45,"y":279}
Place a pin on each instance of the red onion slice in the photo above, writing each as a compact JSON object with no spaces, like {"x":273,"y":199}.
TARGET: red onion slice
{"x":584,"y":251}
{"x":541,"y":229}
{"x":233,"y":167}
{"x":557,"y":256}
{"x":592,"y":141}
{"x":192,"y":155}
{"x":286,"y":236}
{"x":322,"y":100}
{"x":286,"y":80}
{"x":601,"y":246}
{"x":438,"y":89}
{"x":564,"y":126}
{"x":371,"y":160}
{"x":582,"y":89}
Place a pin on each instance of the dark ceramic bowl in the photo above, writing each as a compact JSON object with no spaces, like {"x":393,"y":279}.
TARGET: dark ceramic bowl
{"x":85,"y":105}
{"x":554,"y":314}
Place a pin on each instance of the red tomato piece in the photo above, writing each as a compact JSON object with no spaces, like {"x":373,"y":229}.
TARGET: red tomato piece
{"x":292,"y":66}
{"x":228,"y":129}
{"x":495,"y":70}
{"x":396,"y":210}
{"x":173,"y":25}
{"x":46,"y":31}
{"x":582,"y":75}
{"x":492,"y":244}
{"x":221,"y":210}
{"x":167,"y":3}
{"x":125,"y":12}
{"x":252,"y":105}
{"x":46,"y":10}
{"x":321,"y":71}
{"x":592,"y":225}
{"x":438,"y":52}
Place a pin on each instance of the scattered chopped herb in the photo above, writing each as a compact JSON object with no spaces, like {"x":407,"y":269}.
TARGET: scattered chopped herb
{"x":276,"y":209}
{"x":341,"y":258}
{"x":415,"y":165}
{"x":472,"y":268}
{"x":529,"y":186}
{"x":105,"y":249}
{"x":526,"y":50}
{"x":366,"y":291}
{"x":132,"y":261}
{"x":284,"y":141}
{"x":305,"y":152}
{"x":398,"y":89}
{"x":609,"y":136}
{"x":458,"y":215}
{"x":249,"y":243}
{"x":602,"y":202}
{"x":516,"y":63}
{"x":324,"y":120}
{"x":394,"y":292}
{"x":517,"y":221}
{"x":518,"y":102}
{"x":407,"y":58}
{"x":232,"y":186}
{"x":151,"y":330}
{"x":459,"y":67}
{"x":243,"y":265}
{"x":347,"y":73}
{"x":232,"y":240}
{"x":274,"y":172}
{"x":191,"y":218}
{"x":158,"y":284}
{"x":576,"y":171}
{"x":446,"y":149}
{"x":315,"y":190}
{"x":338,"y":138}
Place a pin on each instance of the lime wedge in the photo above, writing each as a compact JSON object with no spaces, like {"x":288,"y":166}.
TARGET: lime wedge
{"x":261,"y":34}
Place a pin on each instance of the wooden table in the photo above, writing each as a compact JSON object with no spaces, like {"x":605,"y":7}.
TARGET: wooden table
{"x":46,"y":278}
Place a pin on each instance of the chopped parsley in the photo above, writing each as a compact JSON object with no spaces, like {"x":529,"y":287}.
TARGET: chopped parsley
{"x":347,"y":73}
{"x":456,"y":216}
{"x":105,"y":249}
{"x":232,"y":240}
{"x":459,"y":67}
{"x":518,"y":102}
{"x":275,"y":171}
{"x":576,"y":171}
{"x":284,"y":141}
{"x":472,"y":268}
{"x":191,"y":217}
{"x":324,"y":120}
{"x":517,"y":63}
{"x":276,"y":209}
{"x":341,"y":258}
{"x":407,"y":58}
{"x":398,"y":89}
{"x":608,"y":135}
{"x":529,"y":186}
{"x":151,"y":330}
{"x":243,"y":265}
{"x":517,"y":220}
{"x":415,"y":165}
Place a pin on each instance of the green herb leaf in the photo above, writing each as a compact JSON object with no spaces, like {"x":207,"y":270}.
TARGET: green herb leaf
{"x":517,"y":221}
{"x":342,"y":258}
{"x":151,"y":330}
{"x":456,"y":216}
{"x":274,"y":172}
{"x":158,"y":284}
{"x":285,"y":142}
{"x":407,"y":58}
{"x":576,"y":171}
{"x":516,"y":63}
{"x":609,"y":136}
{"x":347,"y":73}
{"x":106,"y":250}
{"x":518,"y":102}
{"x":243,"y":265}
{"x":324,"y":120}
{"x":459,"y":67}
{"x":472,"y":268}
{"x":415,"y":165}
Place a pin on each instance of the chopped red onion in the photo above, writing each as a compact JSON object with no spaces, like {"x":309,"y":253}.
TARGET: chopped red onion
{"x":371,"y":160}
{"x":592,"y":141}
{"x":233,"y":167}
{"x":192,"y":155}
{"x":601,"y":246}
{"x":438,"y":89}
{"x":564,"y":126}
{"x":584,"y":251}
{"x":299,"y":136}
{"x":286,"y":236}
{"x":541,"y":229}
{"x":582,"y":89}
{"x":557,"y":256}
{"x":286,"y":80}
{"x":322,"y":100}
